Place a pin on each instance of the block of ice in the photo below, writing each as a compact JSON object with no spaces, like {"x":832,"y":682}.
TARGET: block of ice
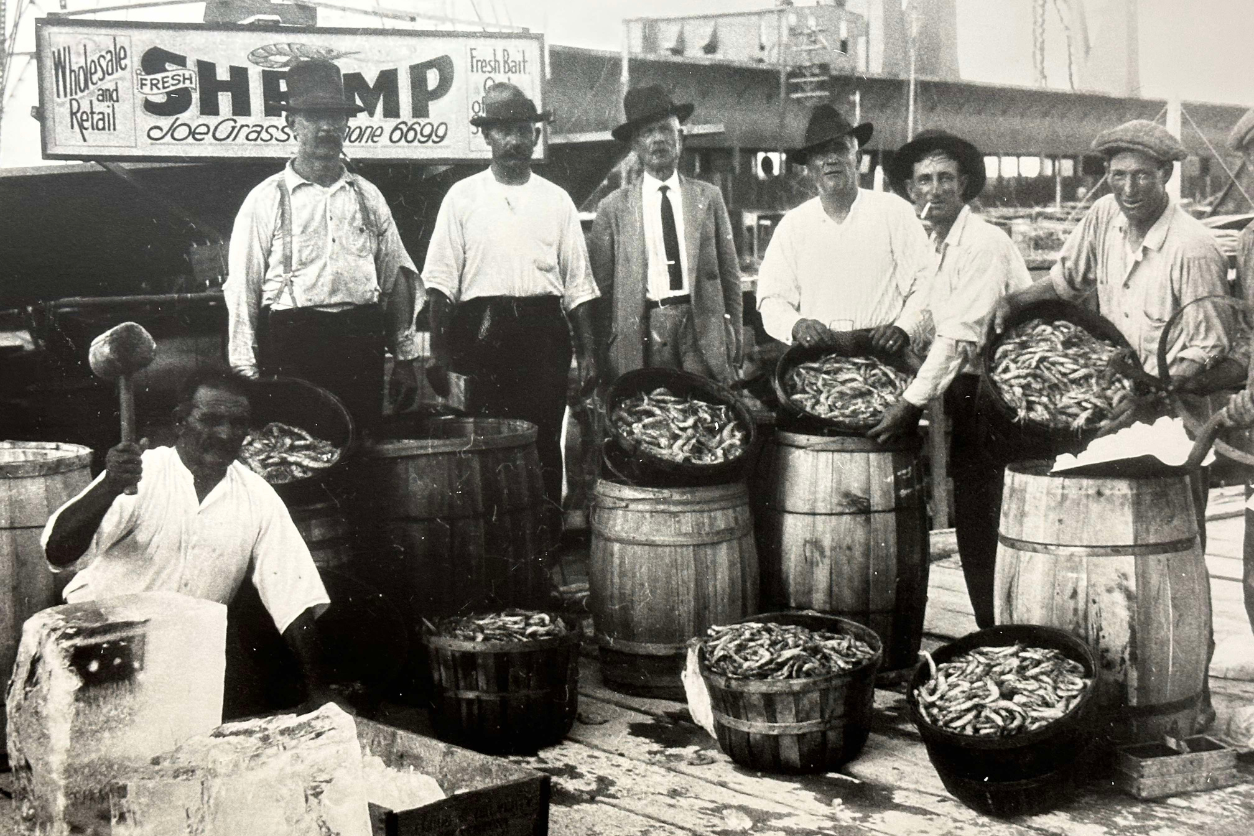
{"x":295,"y":775}
{"x":101,"y":687}
{"x":398,"y":789}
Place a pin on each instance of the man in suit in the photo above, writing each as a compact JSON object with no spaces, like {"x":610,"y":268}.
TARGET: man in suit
{"x":663,"y":257}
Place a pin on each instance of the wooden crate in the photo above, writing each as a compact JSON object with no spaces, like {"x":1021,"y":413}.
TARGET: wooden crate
{"x":487,"y":796}
{"x":1156,"y":770}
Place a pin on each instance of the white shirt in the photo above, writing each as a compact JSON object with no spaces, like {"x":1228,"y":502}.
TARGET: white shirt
{"x":979,"y":264}
{"x":491,"y":239}
{"x":659,"y":284}
{"x":339,"y":258}
{"x":872,"y":269}
{"x":164,"y":539}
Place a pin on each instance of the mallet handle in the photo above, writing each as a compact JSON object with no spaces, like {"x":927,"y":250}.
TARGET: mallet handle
{"x":126,"y":408}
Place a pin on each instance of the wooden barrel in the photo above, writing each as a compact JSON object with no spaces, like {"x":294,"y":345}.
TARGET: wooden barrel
{"x":842,"y":529}
{"x":666,"y":564}
{"x":36,"y":478}
{"x":1116,"y":562}
{"x":452,"y":518}
{"x":504,"y":697}
{"x":326,"y":532}
{"x":796,"y":725}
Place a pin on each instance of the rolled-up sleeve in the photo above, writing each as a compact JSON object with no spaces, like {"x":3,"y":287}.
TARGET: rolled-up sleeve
{"x":779,"y":288}
{"x":117,"y":522}
{"x":578,"y":283}
{"x":446,"y":254}
{"x":1074,"y":275}
{"x":284,"y":573}
{"x":248,"y":257}
{"x":392,"y":265}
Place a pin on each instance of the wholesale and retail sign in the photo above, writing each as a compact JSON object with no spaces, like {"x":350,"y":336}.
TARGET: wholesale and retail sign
{"x":151,"y":91}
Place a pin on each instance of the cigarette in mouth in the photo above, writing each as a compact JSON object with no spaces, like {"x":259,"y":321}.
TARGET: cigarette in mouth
{"x":927,"y":207}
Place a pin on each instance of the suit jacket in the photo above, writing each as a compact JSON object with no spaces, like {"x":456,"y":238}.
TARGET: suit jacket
{"x":616,"y":250}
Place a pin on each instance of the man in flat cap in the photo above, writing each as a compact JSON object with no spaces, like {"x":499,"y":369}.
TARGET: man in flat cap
{"x":1144,"y":258}
{"x":663,"y":256}
{"x":506,"y":269}
{"x":978,"y":265}
{"x":847,"y":259}
{"x":319,"y":279}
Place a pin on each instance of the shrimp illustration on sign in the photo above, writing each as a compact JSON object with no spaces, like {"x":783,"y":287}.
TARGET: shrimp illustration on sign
{"x":283,"y":56}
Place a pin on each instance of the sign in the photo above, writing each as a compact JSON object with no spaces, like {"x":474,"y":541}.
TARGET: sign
{"x":152,"y":91}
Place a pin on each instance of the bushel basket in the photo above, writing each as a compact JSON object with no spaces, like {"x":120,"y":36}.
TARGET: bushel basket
{"x":632,"y":463}
{"x":1021,"y":774}
{"x":813,"y":724}
{"x":299,"y":403}
{"x":1001,"y":426}
{"x":793,"y":418}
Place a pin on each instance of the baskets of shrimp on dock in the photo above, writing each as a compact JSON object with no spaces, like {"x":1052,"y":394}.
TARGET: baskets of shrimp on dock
{"x":829,"y":391}
{"x":671,"y":429}
{"x":1005,"y":713}
{"x":505,"y":682}
{"x":791,"y":692}
{"x":1053,"y":377}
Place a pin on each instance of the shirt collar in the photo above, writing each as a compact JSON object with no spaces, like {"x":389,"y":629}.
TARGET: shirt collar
{"x":1157,"y":235}
{"x":651,"y":183}
{"x":294,"y":180}
{"x":954,"y":238}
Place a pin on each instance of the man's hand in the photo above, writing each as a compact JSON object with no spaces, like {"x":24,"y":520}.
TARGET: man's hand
{"x":123,"y":468}
{"x":403,"y":387}
{"x":437,"y":377}
{"x":1002,"y":312}
{"x":586,"y":372}
{"x":1128,"y":410}
{"x":889,"y":338}
{"x":901,"y":417}
{"x":1239,"y":413}
{"x":810,"y":332}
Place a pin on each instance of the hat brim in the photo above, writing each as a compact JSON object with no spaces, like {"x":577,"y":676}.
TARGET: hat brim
{"x":862,"y":133}
{"x":484,"y":121}
{"x":625,"y":131}
{"x":970,"y":162}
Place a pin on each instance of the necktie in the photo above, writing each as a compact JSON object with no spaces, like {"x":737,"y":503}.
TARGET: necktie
{"x":670,"y":240}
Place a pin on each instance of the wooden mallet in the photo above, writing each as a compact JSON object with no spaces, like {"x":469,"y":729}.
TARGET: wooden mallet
{"x":118,"y":354}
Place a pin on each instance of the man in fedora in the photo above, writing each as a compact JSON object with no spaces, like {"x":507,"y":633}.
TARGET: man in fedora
{"x":663,"y":256}
{"x":506,"y":269}
{"x":977,"y":265}
{"x":849,"y":258}
{"x":319,"y":279}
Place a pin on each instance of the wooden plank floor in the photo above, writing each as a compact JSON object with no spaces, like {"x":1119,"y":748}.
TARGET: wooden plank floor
{"x":639,"y":767}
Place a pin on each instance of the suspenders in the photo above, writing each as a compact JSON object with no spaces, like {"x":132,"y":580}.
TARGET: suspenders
{"x":285,"y":232}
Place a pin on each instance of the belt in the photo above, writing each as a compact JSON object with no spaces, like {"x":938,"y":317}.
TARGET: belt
{"x":686,"y":299}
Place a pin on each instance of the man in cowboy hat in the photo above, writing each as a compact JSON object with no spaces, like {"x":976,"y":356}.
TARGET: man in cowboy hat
{"x":978,"y":264}
{"x":506,"y":269}
{"x":663,"y":256}
{"x":847,"y":259}
{"x":319,"y":279}
{"x":1144,"y":258}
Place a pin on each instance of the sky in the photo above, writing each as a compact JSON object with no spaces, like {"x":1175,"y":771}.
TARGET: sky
{"x":1201,"y":47}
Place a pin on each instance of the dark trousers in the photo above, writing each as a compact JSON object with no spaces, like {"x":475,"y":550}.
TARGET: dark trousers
{"x":978,"y":477}
{"x":341,"y":351}
{"x":516,"y":352}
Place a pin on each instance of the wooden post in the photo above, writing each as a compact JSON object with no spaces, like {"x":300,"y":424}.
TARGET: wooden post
{"x":1173,"y":125}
